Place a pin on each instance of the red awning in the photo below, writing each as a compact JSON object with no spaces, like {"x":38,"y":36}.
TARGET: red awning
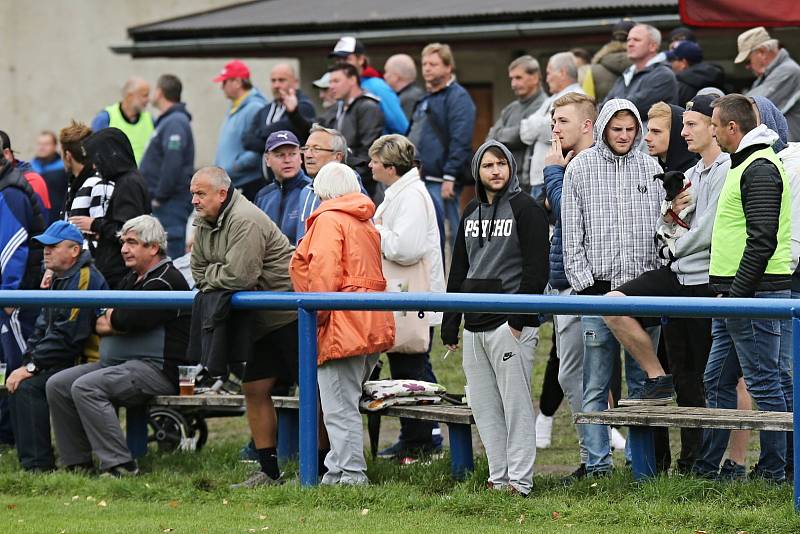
{"x":740,"y":13}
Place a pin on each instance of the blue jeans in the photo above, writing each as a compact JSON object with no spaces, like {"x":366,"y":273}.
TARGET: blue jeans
{"x":173,"y":214}
{"x":751,"y":347}
{"x":600,"y":348}
{"x":450,"y":208}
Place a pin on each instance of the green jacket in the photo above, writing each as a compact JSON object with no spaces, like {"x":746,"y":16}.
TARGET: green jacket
{"x":243,"y":251}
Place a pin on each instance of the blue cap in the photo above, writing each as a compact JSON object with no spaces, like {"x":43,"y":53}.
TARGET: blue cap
{"x":688,"y":50}
{"x":280,"y":138}
{"x":60,"y":231}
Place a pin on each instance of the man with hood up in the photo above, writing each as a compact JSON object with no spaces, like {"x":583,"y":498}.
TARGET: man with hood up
{"x":502,"y":246}
{"x":688,"y":340}
{"x":609,"y":212}
{"x":750,"y":257}
{"x":112,"y":156}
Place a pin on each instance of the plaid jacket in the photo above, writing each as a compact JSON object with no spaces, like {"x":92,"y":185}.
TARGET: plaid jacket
{"x":610,"y":206}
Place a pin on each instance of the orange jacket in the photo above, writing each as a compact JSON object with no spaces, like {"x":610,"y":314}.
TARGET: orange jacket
{"x":341,"y":251}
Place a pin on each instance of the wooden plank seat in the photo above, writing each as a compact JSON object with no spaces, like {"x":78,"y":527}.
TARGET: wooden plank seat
{"x":642,"y":419}
{"x":458,"y":419}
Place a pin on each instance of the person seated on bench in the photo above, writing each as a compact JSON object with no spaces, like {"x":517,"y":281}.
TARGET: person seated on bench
{"x":61,"y":337}
{"x":341,"y":251}
{"x":139,"y":354}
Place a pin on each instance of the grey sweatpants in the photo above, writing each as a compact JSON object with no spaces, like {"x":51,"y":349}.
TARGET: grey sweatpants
{"x":569,"y":347}
{"x":82,"y":400}
{"x":498,"y":370}
{"x":340,"y":385}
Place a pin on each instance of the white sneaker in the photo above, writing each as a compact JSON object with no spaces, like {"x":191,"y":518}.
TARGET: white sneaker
{"x":617,"y":440}
{"x":544,"y":431}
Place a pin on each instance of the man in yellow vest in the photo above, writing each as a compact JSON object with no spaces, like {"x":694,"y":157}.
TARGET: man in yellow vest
{"x":129,"y":115}
{"x":750,"y":257}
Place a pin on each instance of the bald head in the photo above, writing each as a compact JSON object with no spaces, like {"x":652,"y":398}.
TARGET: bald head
{"x":282,"y":79}
{"x":135,"y":96}
{"x":399,"y":71}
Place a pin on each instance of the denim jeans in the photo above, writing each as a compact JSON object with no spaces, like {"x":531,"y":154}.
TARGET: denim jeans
{"x":752,"y":347}
{"x":450,"y":209}
{"x":600,"y":349}
{"x":173,"y":214}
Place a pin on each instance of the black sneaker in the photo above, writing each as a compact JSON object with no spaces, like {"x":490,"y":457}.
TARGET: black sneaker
{"x":575,"y":476}
{"x":656,"y":392}
{"x":127,"y":469}
{"x":732,"y":472}
{"x":756,"y":473}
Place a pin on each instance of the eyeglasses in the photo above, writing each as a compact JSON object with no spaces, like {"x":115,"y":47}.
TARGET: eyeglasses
{"x":315,"y":149}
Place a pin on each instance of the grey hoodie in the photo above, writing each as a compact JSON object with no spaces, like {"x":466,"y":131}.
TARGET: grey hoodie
{"x":610,"y":207}
{"x":502,"y":247}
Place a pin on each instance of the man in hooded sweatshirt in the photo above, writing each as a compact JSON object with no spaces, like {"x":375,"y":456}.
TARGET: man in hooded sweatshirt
{"x":112,"y":156}
{"x":750,"y":257}
{"x":606,"y":187}
{"x":502,"y":246}
{"x":676,"y":136}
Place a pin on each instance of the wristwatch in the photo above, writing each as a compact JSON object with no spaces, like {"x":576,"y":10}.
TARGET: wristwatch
{"x":31,"y":368}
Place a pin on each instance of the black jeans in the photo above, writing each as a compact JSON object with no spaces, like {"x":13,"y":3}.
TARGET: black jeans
{"x":30,"y":419}
{"x":413,"y":434}
{"x":688,"y":344}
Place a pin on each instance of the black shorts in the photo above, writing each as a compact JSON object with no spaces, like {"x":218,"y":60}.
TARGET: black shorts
{"x":661,"y":282}
{"x":274,"y":355}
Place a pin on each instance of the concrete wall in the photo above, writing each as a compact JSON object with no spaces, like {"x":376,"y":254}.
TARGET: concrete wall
{"x":56,"y":65}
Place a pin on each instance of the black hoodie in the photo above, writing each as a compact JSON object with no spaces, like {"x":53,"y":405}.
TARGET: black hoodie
{"x":502,"y":247}
{"x":678,"y":156}
{"x":112,"y":156}
{"x":696,"y":77}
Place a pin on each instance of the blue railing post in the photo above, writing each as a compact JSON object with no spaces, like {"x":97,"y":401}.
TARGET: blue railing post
{"x":307,"y":381}
{"x":796,"y":403}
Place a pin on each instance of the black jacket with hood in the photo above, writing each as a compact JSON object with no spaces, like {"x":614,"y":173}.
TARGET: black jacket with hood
{"x":678,"y":156}
{"x":502,"y":247}
{"x":697,"y":77}
{"x":112,"y":156}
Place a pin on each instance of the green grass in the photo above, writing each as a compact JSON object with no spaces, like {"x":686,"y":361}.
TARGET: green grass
{"x":189,"y":493}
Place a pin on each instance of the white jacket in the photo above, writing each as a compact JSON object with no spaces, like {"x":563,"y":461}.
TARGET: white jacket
{"x":409,"y":232}
{"x":790,"y":156}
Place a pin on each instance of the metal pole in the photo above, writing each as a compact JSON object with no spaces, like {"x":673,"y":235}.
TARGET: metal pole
{"x":307,"y":380}
{"x":796,"y":404}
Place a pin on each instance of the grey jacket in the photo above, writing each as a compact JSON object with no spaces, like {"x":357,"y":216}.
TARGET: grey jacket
{"x":506,"y":129}
{"x":610,"y":207}
{"x":693,"y":249}
{"x":781,"y":84}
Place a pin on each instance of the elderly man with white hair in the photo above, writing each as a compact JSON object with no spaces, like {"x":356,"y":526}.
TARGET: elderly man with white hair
{"x":341,"y":251}
{"x":535,"y":130}
{"x":650,"y":78}
{"x":400,"y":73}
{"x":139,"y":356}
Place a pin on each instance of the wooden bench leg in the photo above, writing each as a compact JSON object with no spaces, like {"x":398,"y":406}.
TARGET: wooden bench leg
{"x":643,"y":456}
{"x":136,"y":426}
{"x":288,"y":429}
{"x":461,"y":461}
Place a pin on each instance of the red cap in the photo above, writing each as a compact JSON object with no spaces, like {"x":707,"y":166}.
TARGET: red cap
{"x":233,"y":69}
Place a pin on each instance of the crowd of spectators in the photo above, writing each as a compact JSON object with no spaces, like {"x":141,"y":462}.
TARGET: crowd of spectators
{"x":364,"y":196}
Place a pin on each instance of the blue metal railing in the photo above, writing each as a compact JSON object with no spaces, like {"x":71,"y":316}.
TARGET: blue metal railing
{"x":308,"y":304}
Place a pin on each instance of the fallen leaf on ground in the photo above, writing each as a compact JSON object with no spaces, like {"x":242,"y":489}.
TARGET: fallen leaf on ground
{"x":593,"y":485}
{"x":365,"y":511}
{"x":264,"y":528}
{"x":172,"y":504}
{"x":168,"y":530}
{"x":225,"y":502}
{"x":102,"y":504}
{"x":521,"y":519}
{"x":700,"y":532}
{"x":76,"y":497}
{"x":11,"y":506}
{"x":555,"y":515}
{"x":262,"y":517}
{"x":90,"y":498}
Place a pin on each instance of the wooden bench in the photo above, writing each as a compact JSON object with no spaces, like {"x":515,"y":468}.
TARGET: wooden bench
{"x":642,"y":419}
{"x":458,"y":419}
